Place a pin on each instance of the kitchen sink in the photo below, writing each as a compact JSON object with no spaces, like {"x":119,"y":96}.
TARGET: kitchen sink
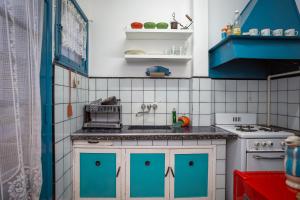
{"x":139,"y":127}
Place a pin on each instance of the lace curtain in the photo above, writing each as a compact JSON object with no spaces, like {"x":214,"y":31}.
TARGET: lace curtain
{"x":20,"y":106}
{"x":73,"y":33}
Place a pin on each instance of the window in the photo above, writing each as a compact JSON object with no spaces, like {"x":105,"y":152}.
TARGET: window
{"x":71,"y":36}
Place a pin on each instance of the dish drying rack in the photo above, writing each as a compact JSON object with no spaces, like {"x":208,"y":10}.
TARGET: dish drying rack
{"x":103,"y":116}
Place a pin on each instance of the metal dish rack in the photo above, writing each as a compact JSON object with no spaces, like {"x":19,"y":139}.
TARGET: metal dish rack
{"x":103,"y":116}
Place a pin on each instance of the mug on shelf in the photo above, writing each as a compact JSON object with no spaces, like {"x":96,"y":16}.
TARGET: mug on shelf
{"x":291,"y":32}
{"x":253,"y":32}
{"x":277,"y":32}
{"x":265,"y":32}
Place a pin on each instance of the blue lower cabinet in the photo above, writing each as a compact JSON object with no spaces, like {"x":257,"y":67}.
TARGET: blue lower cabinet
{"x":147,"y":175}
{"x":97,"y":175}
{"x":191,"y":175}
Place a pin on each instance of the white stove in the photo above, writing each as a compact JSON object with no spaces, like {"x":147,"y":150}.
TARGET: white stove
{"x":255,"y":131}
{"x":258,"y":148}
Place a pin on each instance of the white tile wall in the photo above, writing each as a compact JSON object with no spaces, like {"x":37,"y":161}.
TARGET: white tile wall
{"x":64,"y":126}
{"x":285,"y":98}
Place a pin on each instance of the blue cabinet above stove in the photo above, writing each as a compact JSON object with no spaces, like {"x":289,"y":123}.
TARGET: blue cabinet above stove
{"x":256,"y":57}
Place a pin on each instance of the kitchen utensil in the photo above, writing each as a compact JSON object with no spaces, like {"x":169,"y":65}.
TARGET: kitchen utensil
{"x":277,"y":32}
{"x":254,"y":32}
{"x":175,"y":23}
{"x":265,"y":32}
{"x":157,"y":69}
{"x":149,"y":25}
{"x":69,"y":107}
{"x":162,"y":25}
{"x":291,"y":32}
{"x":136,"y":25}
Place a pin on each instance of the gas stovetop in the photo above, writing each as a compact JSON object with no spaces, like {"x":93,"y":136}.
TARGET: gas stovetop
{"x":255,"y":131}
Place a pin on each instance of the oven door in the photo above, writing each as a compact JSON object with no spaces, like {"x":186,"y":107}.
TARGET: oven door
{"x":267,"y":161}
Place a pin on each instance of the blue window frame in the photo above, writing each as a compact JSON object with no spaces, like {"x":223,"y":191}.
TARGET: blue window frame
{"x":64,"y":56}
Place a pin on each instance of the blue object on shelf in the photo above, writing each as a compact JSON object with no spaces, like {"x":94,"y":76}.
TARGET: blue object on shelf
{"x":158,"y":69}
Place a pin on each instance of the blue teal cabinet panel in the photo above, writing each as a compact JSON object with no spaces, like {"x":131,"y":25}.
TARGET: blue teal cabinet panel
{"x":97,"y":175}
{"x":191,"y":175}
{"x":147,"y":175}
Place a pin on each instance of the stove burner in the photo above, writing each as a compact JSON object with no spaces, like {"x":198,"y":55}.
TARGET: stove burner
{"x":268,"y":129}
{"x":245,"y":128}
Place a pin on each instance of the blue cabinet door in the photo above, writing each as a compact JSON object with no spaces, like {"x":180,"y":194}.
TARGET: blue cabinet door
{"x":147,"y":175}
{"x":98,"y":175}
{"x":190,"y":175}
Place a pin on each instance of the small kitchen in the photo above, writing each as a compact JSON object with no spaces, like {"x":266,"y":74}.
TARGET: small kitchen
{"x":141,"y":100}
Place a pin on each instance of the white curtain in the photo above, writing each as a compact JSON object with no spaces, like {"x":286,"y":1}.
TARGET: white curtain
{"x":73,"y":32}
{"x":20,"y":106}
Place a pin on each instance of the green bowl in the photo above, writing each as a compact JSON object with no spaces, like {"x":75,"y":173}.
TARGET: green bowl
{"x":149,"y":25}
{"x":162,"y":25}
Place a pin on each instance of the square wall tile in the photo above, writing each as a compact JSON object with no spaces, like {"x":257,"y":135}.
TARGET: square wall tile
{"x":126,"y":108}
{"x":160,"y":96}
{"x":58,"y":94}
{"x":149,"y":96}
{"x":195,"y":96}
{"x":294,"y":83}
{"x":242,"y":85}
{"x":274,"y":85}
{"x":184,"y":96}
{"x":220,"y":107}
{"x":125,"y":84}
{"x":126,"y":119}
{"x":230,"y":107}
{"x":293,"y":96}
{"x":205,"y":96}
{"x":113,"y":84}
{"x":172,"y":96}
{"x":125,"y":96}
{"x":220,"y":85}
{"x":231,"y":85}
{"x":205,"y":120}
{"x":293,"y":123}
{"x":195,"y":120}
{"x":262,"y":85}
{"x":172,"y":84}
{"x":101,"y":84}
{"x":102,"y":94}
{"x":282,"y":84}
{"x":241,"y":107}
{"x":148,"y":84}
{"x":115,"y":93}
{"x":219,"y":96}
{"x":184,"y":108}
{"x":242,"y":97}
{"x":253,"y":85}
{"x":160,"y":84}
{"x":161,"y":108}
{"x":205,"y":108}
{"x":160,"y":119}
{"x":230,"y":97}
{"x":205,"y":84}
{"x":293,"y":110}
{"x":184,"y":84}
{"x":137,"y":96}
{"x":196,"y":108}
{"x":137,"y":84}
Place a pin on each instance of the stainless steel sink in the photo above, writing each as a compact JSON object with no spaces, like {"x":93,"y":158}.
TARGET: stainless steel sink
{"x":139,"y":127}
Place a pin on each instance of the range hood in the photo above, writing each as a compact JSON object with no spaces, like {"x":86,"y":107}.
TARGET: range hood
{"x":256,"y":57}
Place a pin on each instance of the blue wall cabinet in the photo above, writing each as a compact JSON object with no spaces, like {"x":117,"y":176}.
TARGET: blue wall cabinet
{"x":145,"y":174}
{"x":98,"y":174}
{"x":193,"y":174}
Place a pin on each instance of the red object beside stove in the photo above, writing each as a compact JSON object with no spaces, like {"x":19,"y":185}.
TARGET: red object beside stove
{"x":262,"y":185}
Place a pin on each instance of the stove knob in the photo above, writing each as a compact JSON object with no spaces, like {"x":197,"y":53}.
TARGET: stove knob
{"x":256,"y":144}
{"x":264,"y":144}
{"x":270,"y":143}
{"x":282,"y":144}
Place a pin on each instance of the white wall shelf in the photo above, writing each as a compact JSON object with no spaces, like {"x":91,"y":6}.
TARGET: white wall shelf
{"x":141,"y":58}
{"x":157,"y":34}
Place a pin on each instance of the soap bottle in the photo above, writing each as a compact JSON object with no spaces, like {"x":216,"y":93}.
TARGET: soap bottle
{"x":174,"y":116}
{"x":236,"y":23}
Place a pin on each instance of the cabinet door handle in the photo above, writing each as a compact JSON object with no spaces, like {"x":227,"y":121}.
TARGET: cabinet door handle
{"x":172,"y":172}
{"x":98,"y":163}
{"x":268,"y":158}
{"x":93,"y":141}
{"x":118,"y":172}
{"x":168,"y":170}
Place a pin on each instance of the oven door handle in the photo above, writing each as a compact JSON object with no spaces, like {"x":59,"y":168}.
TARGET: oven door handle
{"x":268,"y":158}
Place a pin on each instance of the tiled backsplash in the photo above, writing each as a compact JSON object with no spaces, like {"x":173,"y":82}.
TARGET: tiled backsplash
{"x":285,"y":98}
{"x":64,"y":126}
{"x":241,"y":96}
{"x":166,"y":93}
